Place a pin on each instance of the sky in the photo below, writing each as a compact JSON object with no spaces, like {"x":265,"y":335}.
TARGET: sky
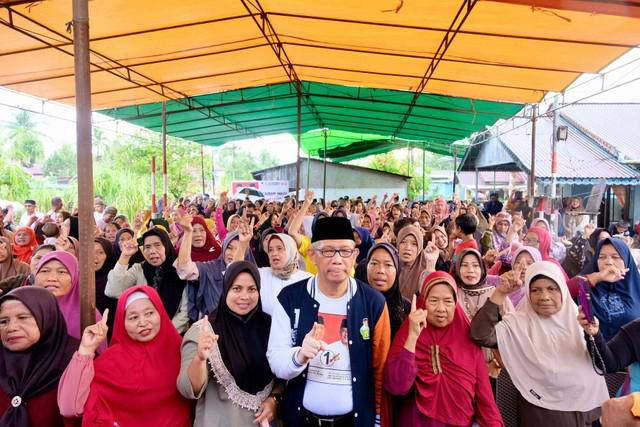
{"x":618,"y":82}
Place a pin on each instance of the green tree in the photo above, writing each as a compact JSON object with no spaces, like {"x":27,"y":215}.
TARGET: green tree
{"x":27,"y":147}
{"x":238,"y":164}
{"x":388,"y":162}
{"x":100,"y":143}
{"x":62,"y":163}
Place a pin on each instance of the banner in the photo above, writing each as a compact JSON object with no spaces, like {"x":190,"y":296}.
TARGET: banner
{"x":274,"y":190}
{"x":269,"y":190}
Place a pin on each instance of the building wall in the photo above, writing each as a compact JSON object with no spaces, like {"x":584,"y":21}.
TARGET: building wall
{"x":342,"y":180}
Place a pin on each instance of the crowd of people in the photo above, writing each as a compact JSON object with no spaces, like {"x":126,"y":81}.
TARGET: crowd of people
{"x":347,"y":312}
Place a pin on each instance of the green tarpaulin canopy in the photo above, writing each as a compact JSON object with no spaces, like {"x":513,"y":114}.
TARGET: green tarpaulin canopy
{"x":371,"y":120}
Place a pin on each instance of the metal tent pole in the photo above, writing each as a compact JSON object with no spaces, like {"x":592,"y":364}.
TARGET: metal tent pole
{"x":202,"y":161}
{"x":455,"y":167}
{"x":153,"y":187}
{"x":308,"y":169}
{"x":324,"y":175}
{"x":424,"y":161}
{"x":164,"y":155}
{"x":554,"y":165}
{"x":532,"y":174}
{"x":299,"y":141}
{"x":84,"y":160}
{"x":476,"y":198}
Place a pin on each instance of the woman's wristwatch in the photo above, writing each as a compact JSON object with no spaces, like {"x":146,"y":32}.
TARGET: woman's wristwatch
{"x":277,"y":397}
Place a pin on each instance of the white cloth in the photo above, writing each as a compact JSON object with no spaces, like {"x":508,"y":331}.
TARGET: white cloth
{"x":24,"y":219}
{"x":546,"y":356}
{"x":270,"y":287}
{"x":328,"y":390}
{"x":307,"y":222}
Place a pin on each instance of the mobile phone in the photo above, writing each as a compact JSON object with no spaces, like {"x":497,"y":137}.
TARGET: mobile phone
{"x":584,"y":298}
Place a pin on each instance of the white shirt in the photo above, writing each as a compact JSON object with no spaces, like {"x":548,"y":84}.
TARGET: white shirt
{"x":328,"y":390}
{"x":25,"y":218}
{"x":270,"y":287}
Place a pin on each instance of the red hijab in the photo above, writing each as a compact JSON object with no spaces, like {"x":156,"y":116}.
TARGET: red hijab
{"x":545,"y":247}
{"x":211,"y":249}
{"x":450,"y":396}
{"x":23,"y":253}
{"x":134,"y":382}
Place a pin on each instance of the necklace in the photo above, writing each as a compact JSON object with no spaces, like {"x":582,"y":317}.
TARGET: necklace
{"x":467,"y":304}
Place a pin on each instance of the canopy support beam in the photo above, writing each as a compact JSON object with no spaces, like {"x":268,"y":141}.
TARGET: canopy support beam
{"x":85,"y":161}
{"x":324,"y":174}
{"x":259,"y":16}
{"x":532,"y":174}
{"x":122,"y":71}
{"x":460,"y":18}
{"x":165,"y":202}
{"x":424,"y":162}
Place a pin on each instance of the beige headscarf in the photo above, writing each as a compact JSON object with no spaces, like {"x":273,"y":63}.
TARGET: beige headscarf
{"x":12,"y":267}
{"x":547,"y":356}
{"x":409,"y":279}
{"x":482,"y":221}
{"x":291,"y":249}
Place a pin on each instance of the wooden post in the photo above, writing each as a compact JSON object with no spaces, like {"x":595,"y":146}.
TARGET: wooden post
{"x":85,"y":161}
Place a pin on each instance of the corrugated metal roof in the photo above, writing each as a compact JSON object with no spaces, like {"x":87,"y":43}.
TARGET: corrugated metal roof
{"x":580,"y":160}
{"x":613,"y":125}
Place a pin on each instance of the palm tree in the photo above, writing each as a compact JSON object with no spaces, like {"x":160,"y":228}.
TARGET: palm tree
{"x":25,"y":138}
{"x":100,"y":143}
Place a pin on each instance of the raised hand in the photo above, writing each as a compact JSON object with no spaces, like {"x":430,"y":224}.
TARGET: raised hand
{"x":491,"y":257}
{"x":174,"y":236}
{"x":130,"y":248}
{"x":93,"y":335}
{"x":186,"y":221}
{"x":137,"y":222}
{"x":518,"y":225}
{"x":588,"y":230}
{"x":308,"y":197}
{"x":417,"y":319}
{"x":431,"y":251}
{"x":206,"y":343}
{"x":566,"y":242}
{"x":224,"y":200}
{"x":511,"y":281}
{"x":490,"y":222}
{"x":590,"y":328}
{"x":310,"y":346}
{"x":63,"y":243}
{"x":245,"y":230}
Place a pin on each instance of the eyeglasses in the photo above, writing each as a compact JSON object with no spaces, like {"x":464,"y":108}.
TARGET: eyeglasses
{"x":530,"y":241}
{"x":330,"y":253}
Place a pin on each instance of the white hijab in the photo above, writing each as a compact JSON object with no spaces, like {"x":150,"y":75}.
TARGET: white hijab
{"x":546,"y":356}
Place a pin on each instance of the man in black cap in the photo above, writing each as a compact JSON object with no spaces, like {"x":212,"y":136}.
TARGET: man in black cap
{"x":323,"y":389}
{"x":30,"y":216}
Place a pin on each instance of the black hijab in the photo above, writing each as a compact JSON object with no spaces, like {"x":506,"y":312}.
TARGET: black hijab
{"x":74,"y":230}
{"x":164,"y":278}
{"x":102,"y":301}
{"x":396,"y":304}
{"x":594,"y":237}
{"x":261,"y":256}
{"x":138,"y":257}
{"x":243,"y":339}
{"x":38,"y":369}
{"x":226,"y":213}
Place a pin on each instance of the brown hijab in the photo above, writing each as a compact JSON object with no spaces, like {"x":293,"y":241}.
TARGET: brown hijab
{"x":11,"y":267}
{"x":409,"y":279}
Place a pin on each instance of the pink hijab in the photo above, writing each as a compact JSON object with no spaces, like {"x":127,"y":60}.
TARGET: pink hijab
{"x":545,"y":247}
{"x":70,"y":302}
